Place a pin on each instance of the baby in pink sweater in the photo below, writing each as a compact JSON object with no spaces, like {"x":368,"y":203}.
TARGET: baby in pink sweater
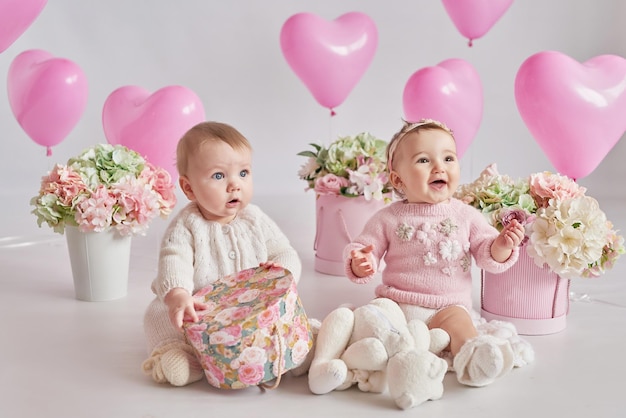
{"x":427,"y":241}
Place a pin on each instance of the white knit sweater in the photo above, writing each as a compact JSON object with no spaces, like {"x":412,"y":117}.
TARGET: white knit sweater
{"x":195,"y":252}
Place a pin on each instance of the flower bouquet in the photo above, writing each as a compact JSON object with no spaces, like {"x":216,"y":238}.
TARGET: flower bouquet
{"x":351,"y":182}
{"x":565,"y":229}
{"x":99,"y":199}
{"x":106,"y":186}
{"x":350,"y":166}
{"x":567,"y":236}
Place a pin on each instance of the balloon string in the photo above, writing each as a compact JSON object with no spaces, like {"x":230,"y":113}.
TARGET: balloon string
{"x":48,"y":151}
{"x":332,"y":112}
{"x":330,"y":127}
{"x":470,"y":43}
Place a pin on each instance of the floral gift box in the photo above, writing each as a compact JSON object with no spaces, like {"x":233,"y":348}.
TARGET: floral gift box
{"x":254,"y":330}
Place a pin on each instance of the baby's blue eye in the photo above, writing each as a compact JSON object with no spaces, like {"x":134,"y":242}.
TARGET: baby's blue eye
{"x":218,"y":176}
{"x":422,"y":160}
{"x":244,"y":173}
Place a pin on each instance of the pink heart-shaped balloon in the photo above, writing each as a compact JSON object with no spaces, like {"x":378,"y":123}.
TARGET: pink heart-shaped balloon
{"x":151,"y":124}
{"x":15,"y":17}
{"x":329,"y":57}
{"x":450,"y":92}
{"x":47,"y":95}
{"x":576,"y":112}
{"x":474,"y":18}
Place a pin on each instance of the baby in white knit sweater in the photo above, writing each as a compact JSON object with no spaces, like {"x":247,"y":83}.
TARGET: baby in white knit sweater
{"x":218,"y":233}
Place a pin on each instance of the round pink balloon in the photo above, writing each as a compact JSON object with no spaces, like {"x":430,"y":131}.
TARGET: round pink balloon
{"x":450,"y":92}
{"x":329,"y":57}
{"x":15,"y":17}
{"x":151,"y":124}
{"x":474,"y":18}
{"x":576,"y":112}
{"x":47,"y":95}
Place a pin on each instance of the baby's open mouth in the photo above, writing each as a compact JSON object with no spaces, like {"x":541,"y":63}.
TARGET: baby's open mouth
{"x":439,"y":182}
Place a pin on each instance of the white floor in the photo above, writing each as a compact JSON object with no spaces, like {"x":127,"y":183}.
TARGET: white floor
{"x":61,"y":357}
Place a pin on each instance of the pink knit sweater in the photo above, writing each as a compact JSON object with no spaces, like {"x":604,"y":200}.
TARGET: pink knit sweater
{"x":427,"y":251}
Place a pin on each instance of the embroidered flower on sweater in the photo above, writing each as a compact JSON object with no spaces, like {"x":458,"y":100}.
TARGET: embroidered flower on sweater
{"x":429,"y":259}
{"x":449,"y":271}
{"x":449,"y":249}
{"x":405,"y":232}
{"x":426,"y":233}
{"x":466,"y":262}
{"x":448,"y":227}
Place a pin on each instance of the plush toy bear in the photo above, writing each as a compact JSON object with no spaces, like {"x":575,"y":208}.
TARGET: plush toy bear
{"x":374,"y":347}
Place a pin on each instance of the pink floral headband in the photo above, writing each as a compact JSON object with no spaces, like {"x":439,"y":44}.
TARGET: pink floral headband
{"x":409,"y":127}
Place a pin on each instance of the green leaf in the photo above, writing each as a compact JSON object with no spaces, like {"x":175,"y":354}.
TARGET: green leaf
{"x":307,"y":154}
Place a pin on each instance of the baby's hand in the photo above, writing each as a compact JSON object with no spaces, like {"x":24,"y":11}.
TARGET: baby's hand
{"x":269,"y":264}
{"x":510,"y":237}
{"x":181,"y":306}
{"x":362,"y":263}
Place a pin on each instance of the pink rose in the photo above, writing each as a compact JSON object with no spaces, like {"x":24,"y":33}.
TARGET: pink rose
{"x":213,"y":373}
{"x":245,"y":275}
{"x":269,"y":316}
{"x":195,"y":334}
{"x":330,"y":184}
{"x":299,"y":351}
{"x":241,"y":313}
{"x":299,"y":330}
{"x":507,"y":216}
{"x":251,"y":374}
{"x":204,"y":291}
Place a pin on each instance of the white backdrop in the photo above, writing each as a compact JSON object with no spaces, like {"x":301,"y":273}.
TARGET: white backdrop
{"x":228,"y":53}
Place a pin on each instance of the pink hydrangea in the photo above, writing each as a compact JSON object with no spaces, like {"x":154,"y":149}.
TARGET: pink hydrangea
{"x":161,"y":182}
{"x":95,"y":212}
{"x":545,"y":186}
{"x":106,"y":186}
{"x":137,"y":205}
{"x":63,"y":182}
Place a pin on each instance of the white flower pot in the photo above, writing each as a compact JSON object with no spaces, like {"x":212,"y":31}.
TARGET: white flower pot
{"x":100,"y":264}
{"x":339,"y":219}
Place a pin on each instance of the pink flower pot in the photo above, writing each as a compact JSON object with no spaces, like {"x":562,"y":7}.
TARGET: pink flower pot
{"x":339,"y":219}
{"x":534,"y":299}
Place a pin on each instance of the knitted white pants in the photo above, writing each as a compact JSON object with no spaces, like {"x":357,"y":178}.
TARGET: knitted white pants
{"x":158,"y":328}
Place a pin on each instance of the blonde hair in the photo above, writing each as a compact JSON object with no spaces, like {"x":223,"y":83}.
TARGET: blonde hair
{"x":202,"y":133}
{"x":408,"y":127}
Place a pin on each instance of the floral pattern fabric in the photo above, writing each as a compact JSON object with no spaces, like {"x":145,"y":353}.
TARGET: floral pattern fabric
{"x":254,"y":330}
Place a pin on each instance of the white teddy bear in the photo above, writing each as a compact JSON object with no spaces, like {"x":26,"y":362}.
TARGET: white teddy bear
{"x":374,"y":346}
